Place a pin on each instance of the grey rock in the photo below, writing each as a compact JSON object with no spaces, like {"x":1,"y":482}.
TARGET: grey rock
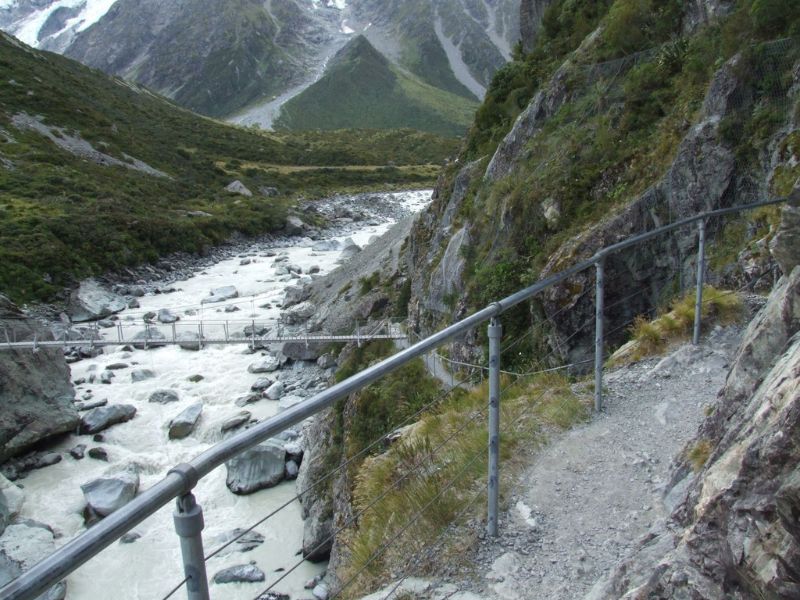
{"x":295,"y":294}
{"x":299,"y":314}
{"x":326,"y":361}
{"x":36,"y":395}
{"x":221,"y":294}
{"x":106,"y":377}
{"x":287,"y":402}
{"x":259,"y":468}
{"x":48,"y":460}
{"x":245,"y":542}
{"x":188,"y":340}
{"x":249,"y":399}
{"x":240,"y":574}
{"x":23,"y":545}
{"x":117,"y":366}
{"x":184,"y":424}
{"x":317,"y":533}
{"x":261,"y":384}
{"x":237,"y":187}
{"x":91,"y":301}
{"x":148,"y":338}
{"x":164,"y":397}
{"x":98,"y":454}
{"x":268,"y":192}
{"x":130,"y":537}
{"x":785,"y":246}
{"x":142,"y":375}
{"x":84,"y":406}
{"x":275,"y":391}
{"x":108,"y":494}
{"x":302,"y":351}
{"x":294,"y":226}
{"x":235,"y":422}
{"x":291,"y":470}
{"x":531,"y":16}
{"x":78,"y":452}
{"x":166,"y":316}
{"x":269,"y":364}
{"x":99,"y":419}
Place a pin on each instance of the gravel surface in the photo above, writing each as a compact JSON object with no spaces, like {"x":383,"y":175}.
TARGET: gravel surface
{"x":590,"y":495}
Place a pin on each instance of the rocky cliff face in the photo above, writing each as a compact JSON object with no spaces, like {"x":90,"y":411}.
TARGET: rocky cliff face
{"x":735,"y":492}
{"x":35,"y":390}
{"x":530,"y":21}
{"x":706,"y":172}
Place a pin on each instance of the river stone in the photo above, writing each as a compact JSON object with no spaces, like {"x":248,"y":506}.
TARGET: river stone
{"x":182,"y":426}
{"x":141,"y":375}
{"x":245,"y":542}
{"x":106,"y":377}
{"x":22,"y":546}
{"x":152,"y":338}
{"x":188,"y":340}
{"x":236,"y":422}
{"x":166,"y":316}
{"x":164,"y":397}
{"x":104,"y":417}
{"x":130,"y":537}
{"x":117,"y":366}
{"x":91,"y":302}
{"x":240,"y":574}
{"x":260,"y":330}
{"x":300,"y":313}
{"x":98,"y":454}
{"x":291,"y":470}
{"x":262,"y":384}
{"x":275,"y":391}
{"x":295,"y":294}
{"x":48,"y":460}
{"x":13,"y":496}
{"x":259,"y":468}
{"x":108,"y":494}
{"x":326,"y":361}
{"x":325,"y":246}
{"x":221,"y":294}
{"x":270,"y":364}
{"x":78,"y":452}
{"x":248,"y":399}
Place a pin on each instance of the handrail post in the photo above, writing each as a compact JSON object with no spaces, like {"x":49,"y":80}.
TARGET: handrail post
{"x":189,"y":524}
{"x":701,"y":272}
{"x":598,"y":334}
{"x":495,"y":334}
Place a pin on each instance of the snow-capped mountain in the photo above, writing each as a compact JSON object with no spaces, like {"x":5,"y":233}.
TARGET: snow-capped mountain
{"x":243,"y":59}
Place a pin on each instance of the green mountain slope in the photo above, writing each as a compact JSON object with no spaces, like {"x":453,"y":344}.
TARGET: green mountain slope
{"x":362,"y":88}
{"x":98,"y":174}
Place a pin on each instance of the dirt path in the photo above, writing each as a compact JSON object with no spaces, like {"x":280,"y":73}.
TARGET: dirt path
{"x":590,"y":495}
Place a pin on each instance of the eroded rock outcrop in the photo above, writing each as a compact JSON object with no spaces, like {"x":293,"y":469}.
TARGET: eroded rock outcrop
{"x":35,"y":390}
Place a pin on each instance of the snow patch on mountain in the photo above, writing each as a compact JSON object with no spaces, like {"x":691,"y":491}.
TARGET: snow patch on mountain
{"x":25,"y":20}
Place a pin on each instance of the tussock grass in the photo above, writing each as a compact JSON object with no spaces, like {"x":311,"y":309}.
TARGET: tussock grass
{"x":699,"y":454}
{"x":649,"y":338}
{"x":438,"y":467}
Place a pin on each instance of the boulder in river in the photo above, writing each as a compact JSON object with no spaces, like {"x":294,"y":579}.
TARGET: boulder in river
{"x":303,"y":351}
{"x":245,"y":542}
{"x":240,"y":574}
{"x":275,"y":391}
{"x":91,"y":302}
{"x":104,"y":417}
{"x":262,"y":384}
{"x":188,"y":340}
{"x":166,"y":316}
{"x":164,"y":397}
{"x":317,"y":534}
{"x":183,"y":425}
{"x":288,"y":402}
{"x":108,"y":494}
{"x":221,"y":294}
{"x":141,"y":375}
{"x":257,"y":469}
{"x":150,"y":338}
{"x":295,"y":294}
{"x":236,"y":422}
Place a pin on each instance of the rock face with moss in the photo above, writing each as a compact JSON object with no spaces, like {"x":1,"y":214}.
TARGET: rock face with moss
{"x":733,"y":530}
{"x":35,"y":390}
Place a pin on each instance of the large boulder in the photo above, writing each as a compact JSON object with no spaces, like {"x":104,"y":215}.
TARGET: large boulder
{"x":240,"y":574}
{"x":91,"y":301}
{"x":269,"y":364}
{"x":164,"y":397}
{"x":317,"y":533}
{"x":36,"y":393}
{"x":148,"y":338}
{"x":237,"y":187}
{"x":22,"y":546}
{"x":167,"y":316}
{"x":183,"y":425}
{"x":294,"y":226}
{"x":188,"y":340}
{"x":299,"y":314}
{"x":102,"y":418}
{"x":257,"y":469}
{"x":108,"y":494}
{"x":303,"y":351}
{"x":221,"y":294}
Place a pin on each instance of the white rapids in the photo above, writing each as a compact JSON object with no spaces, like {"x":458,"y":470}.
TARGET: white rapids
{"x":151,"y":566}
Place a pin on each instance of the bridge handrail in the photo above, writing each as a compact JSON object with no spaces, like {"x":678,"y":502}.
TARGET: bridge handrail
{"x":183,"y":478}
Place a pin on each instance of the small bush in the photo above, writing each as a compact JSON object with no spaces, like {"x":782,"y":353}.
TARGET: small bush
{"x":699,"y":454}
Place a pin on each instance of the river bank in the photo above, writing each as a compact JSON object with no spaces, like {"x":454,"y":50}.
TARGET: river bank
{"x":221,"y":380}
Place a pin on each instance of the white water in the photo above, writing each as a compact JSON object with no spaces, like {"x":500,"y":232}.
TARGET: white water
{"x":150,"y":567}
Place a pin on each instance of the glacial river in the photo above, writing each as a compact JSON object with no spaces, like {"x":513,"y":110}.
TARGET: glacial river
{"x":151,"y":566}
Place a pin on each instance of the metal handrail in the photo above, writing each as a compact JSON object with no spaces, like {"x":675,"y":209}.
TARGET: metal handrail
{"x":182,"y":479}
